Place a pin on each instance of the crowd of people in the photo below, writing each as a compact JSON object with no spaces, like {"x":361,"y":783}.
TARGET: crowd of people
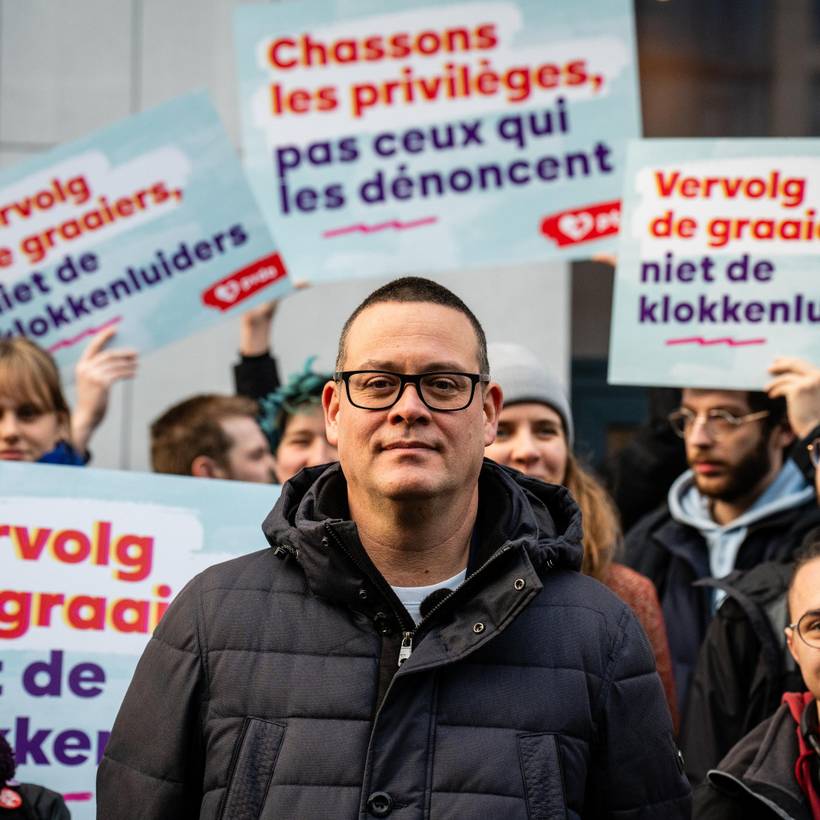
{"x":456,"y":616}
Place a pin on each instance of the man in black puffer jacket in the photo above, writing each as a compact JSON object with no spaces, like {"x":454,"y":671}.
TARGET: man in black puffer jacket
{"x":306,"y":681}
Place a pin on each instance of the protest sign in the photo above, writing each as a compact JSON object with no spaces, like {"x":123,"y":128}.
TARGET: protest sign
{"x":86,"y":577}
{"x":717,"y":262}
{"x":436,"y":136}
{"x":148,"y":225}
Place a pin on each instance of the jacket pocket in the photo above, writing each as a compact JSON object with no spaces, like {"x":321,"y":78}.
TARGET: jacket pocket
{"x":543,"y":780}
{"x":251,"y":769}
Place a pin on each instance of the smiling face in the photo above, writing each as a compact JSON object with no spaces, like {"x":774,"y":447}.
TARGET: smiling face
{"x":531,"y":439}
{"x":303,"y":444}
{"x":740,"y":464}
{"x":26,"y":432}
{"x":804,"y":602}
{"x":409,"y":452}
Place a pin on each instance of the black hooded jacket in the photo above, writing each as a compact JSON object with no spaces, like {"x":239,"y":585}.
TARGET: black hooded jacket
{"x":271,"y":689}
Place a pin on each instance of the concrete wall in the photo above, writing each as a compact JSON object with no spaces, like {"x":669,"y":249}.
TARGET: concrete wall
{"x":67,"y":68}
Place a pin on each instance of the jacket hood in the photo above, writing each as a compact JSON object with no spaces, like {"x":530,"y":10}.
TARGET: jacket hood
{"x":542,"y":518}
{"x":687,"y":506}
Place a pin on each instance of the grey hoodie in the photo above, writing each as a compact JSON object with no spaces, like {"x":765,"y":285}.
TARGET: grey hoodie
{"x":687,"y":506}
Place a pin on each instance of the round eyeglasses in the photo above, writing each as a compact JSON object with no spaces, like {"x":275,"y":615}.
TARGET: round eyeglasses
{"x":444,"y":391}
{"x":808,"y":628}
{"x":716,"y":422}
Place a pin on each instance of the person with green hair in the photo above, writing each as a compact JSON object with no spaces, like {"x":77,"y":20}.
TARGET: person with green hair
{"x":292,"y":419}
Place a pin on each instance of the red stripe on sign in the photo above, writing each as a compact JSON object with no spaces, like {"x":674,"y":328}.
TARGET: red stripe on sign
{"x":77,"y":796}
{"x":243,"y":283}
{"x":583,"y":224}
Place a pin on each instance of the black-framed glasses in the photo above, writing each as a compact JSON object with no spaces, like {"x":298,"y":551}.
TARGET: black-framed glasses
{"x":443,"y":390}
{"x":814,"y":452}
{"x":716,"y":422}
{"x":808,"y":628}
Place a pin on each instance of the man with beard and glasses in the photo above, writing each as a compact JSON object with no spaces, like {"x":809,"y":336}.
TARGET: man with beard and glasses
{"x":741,"y":502}
{"x":744,"y":666}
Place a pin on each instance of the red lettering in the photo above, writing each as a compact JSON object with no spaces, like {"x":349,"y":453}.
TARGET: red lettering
{"x":71,"y":556}
{"x":666,"y":185}
{"x":48,"y":600}
{"x":273,"y":53}
{"x":26,"y":549}
{"x":79,"y":620}
{"x":137,"y":612}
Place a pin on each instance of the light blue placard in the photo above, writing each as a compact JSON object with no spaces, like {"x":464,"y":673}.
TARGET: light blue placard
{"x":154,"y":214}
{"x":61,"y":685}
{"x":714,"y":308}
{"x":498,"y":139}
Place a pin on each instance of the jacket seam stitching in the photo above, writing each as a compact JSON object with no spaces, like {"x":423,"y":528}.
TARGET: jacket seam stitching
{"x":143,"y":773}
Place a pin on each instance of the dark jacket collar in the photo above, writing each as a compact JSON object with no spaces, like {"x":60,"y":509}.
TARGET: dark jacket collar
{"x":762,"y":765}
{"x":312,"y":518}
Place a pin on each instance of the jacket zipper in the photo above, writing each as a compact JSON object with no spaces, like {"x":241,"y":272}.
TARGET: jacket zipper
{"x":408,"y":637}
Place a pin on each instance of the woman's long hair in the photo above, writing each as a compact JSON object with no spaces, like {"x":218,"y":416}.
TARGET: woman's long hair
{"x":29,"y":374}
{"x":602,"y":530}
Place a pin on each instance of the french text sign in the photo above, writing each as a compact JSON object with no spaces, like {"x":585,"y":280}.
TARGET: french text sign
{"x":421,"y":136}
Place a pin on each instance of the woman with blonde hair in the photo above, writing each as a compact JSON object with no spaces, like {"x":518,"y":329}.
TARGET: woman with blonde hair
{"x":535,"y":436}
{"x":35,"y":421}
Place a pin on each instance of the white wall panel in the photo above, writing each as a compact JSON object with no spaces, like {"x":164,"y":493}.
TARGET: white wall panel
{"x":8,"y":158}
{"x":186,"y":45}
{"x":65,"y":68}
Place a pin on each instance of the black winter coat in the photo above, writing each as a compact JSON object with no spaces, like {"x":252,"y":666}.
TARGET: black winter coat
{"x":271,"y":688}
{"x":756,"y":781}
{"x":674,"y":556}
{"x":743,"y":669}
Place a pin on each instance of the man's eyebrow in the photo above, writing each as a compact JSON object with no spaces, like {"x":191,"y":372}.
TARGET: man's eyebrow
{"x":429,"y":367}
{"x":812,"y":612}
{"x":735,"y":410}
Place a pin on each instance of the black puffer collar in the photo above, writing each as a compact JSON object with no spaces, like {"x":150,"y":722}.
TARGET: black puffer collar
{"x":311,"y":518}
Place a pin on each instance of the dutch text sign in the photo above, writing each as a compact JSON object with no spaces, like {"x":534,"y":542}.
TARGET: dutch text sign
{"x":87,"y":575}
{"x":717,"y":264}
{"x":148,"y":225}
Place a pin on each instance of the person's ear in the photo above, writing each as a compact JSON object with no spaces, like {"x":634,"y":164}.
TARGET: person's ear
{"x":493,"y":399}
{"x":330,"y":405}
{"x":784,"y":435}
{"x":790,"y":639}
{"x":206,"y":467}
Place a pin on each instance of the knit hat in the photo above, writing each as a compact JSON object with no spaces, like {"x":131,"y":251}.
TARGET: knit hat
{"x":524,"y":379}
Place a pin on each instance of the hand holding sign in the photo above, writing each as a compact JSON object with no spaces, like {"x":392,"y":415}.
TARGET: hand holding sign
{"x":799,"y":382}
{"x":95,"y":373}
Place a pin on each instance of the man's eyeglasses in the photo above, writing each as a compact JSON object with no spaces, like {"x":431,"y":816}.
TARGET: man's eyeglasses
{"x":814,"y":452}
{"x":808,"y":628}
{"x":716,"y":422}
{"x":444,"y":391}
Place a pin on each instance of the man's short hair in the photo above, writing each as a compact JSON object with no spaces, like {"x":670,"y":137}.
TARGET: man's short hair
{"x":417,"y":289}
{"x":808,"y":552}
{"x":778,"y":414}
{"x":193,"y":428}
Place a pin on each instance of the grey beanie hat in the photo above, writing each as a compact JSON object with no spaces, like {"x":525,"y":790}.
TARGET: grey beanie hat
{"x":524,"y":379}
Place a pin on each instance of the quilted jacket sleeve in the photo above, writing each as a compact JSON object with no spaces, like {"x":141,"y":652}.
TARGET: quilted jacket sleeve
{"x":152,"y":766}
{"x":640,"y":769}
